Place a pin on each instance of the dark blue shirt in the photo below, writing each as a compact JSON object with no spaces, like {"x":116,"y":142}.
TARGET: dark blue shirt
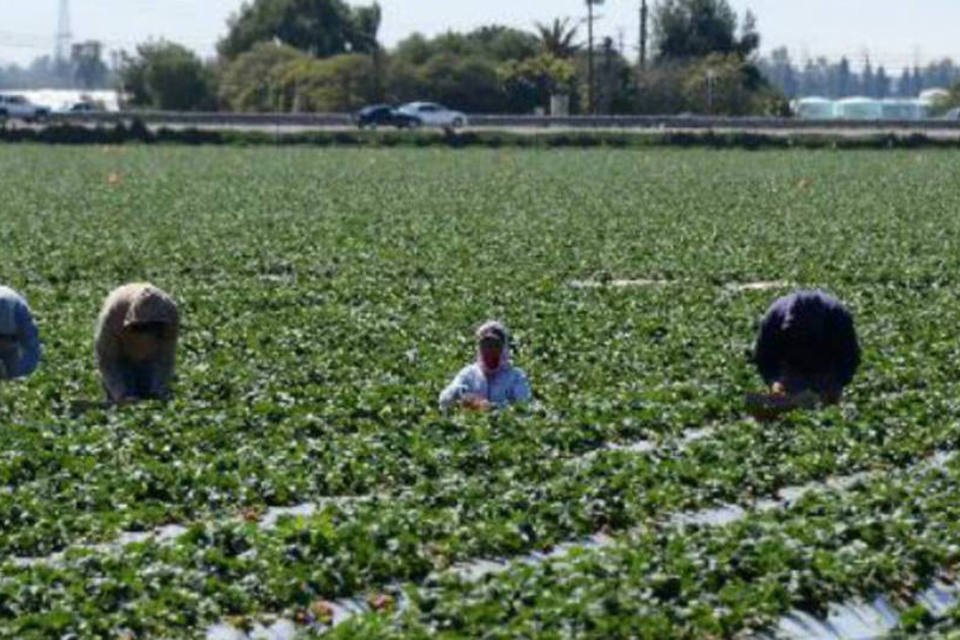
{"x":808,"y":337}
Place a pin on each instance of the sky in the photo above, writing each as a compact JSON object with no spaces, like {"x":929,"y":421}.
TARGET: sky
{"x":894,"y":33}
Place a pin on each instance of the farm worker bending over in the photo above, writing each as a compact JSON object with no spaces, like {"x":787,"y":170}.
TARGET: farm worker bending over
{"x":136,"y":343}
{"x":491,"y":381}
{"x":807,"y":349}
{"x":19,"y":339}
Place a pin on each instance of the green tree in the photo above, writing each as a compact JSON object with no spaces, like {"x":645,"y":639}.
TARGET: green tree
{"x":415,"y":49}
{"x":501,"y":43}
{"x":882,"y":82}
{"x":255,"y":80}
{"x":781,"y":72}
{"x":493,"y":42}
{"x":166,"y":75}
{"x":728,"y":85}
{"x":696,"y":28}
{"x":471,"y":83}
{"x":704,"y":63}
{"x":842,"y":80}
{"x":948,"y":102}
{"x":461,"y":70}
{"x":558,"y":39}
{"x":335,"y":84}
{"x":530,"y":83}
{"x":319,"y":27}
{"x":868,"y":81}
{"x":89,"y":69}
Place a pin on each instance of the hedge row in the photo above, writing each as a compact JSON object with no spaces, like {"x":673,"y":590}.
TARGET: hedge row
{"x":138,"y":132}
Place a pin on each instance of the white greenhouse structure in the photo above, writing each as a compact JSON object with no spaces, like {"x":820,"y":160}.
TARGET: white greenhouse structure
{"x":814,"y":108}
{"x":862,"y":108}
{"x":859,"y":108}
{"x":904,"y":110}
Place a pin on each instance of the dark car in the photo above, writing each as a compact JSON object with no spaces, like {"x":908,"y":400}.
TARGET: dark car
{"x":384,"y":115}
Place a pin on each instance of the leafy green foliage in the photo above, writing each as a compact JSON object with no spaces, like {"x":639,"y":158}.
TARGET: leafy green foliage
{"x":558,"y":39}
{"x":166,"y":75}
{"x":319,"y":27}
{"x":461,"y":70}
{"x":328,"y":295}
{"x":255,"y":79}
{"x":949,"y":101}
{"x":323,"y":55}
{"x":698,"y":28}
{"x":539,"y":77}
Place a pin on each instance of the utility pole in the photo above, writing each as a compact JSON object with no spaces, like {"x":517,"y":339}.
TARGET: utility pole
{"x":63,"y":41}
{"x":376,"y":56}
{"x":604,"y":97}
{"x":591,"y":86}
{"x":378,"y":88}
{"x":711,"y":77}
{"x":644,"y":14}
{"x":64,"y":36}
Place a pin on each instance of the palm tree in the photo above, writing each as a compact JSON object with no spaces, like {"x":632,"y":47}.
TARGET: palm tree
{"x":558,"y":39}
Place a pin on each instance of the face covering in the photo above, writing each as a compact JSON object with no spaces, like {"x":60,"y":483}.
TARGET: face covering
{"x":490,"y":358}
{"x":493,"y":350}
{"x":493,"y":360}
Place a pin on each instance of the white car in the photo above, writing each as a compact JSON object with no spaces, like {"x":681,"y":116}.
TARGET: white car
{"x":431,"y":114}
{"x":15,"y":106}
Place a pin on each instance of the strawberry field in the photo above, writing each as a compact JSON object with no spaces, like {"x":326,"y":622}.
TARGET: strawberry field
{"x":304,"y":473}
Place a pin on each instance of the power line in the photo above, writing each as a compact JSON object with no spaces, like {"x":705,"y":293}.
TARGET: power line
{"x":30,"y":40}
{"x":12,"y":37}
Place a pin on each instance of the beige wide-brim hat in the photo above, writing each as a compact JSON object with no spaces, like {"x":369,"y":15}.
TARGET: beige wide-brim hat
{"x":151,"y":305}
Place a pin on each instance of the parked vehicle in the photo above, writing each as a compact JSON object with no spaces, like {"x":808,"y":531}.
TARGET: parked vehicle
{"x":385,"y":115}
{"x":84,"y":106}
{"x":17,"y":106}
{"x":432,"y":114}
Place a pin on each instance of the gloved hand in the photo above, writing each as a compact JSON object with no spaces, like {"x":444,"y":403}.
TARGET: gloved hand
{"x":474,"y":402}
{"x":766,"y":407}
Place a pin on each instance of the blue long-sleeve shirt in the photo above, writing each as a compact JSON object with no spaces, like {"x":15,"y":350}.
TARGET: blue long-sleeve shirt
{"x":808,"y":339}
{"x":506,"y":387}
{"x":16,"y":321}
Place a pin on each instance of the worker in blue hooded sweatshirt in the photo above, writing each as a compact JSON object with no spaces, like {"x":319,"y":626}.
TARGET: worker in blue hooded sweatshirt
{"x":807,"y":350}
{"x":19,"y":338}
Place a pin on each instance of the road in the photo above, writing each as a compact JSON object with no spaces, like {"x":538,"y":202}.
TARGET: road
{"x":527,"y":125}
